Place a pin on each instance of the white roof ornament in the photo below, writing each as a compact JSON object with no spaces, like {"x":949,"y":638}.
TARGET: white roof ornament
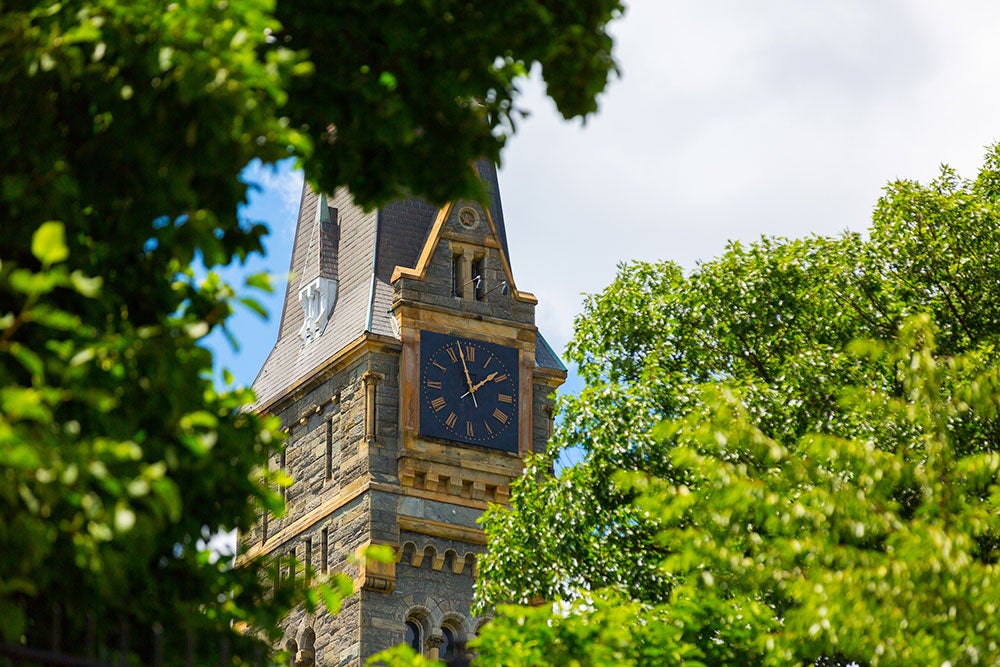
{"x":319,"y":294}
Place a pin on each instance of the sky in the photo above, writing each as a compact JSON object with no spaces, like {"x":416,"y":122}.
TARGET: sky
{"x":731,"y":120}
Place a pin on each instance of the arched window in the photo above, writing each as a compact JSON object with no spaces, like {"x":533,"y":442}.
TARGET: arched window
{"x":413,"y":636}
{"x":447,"y":649}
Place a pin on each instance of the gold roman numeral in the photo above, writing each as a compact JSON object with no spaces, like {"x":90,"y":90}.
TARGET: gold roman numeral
{"x":500,"y":416}
{"x":470,"y":353}
{"x":434,"y":384}
{"x":468,"y":430}
{"x":437,"y":404}
{"x":488,"y":429}
{"x":451,"y":354}
{"x":488,"y":361}
{"x":505,"y":398}
{"x":438,"y":365}
{"x":450,"y":421}
{"x":500,"y":378}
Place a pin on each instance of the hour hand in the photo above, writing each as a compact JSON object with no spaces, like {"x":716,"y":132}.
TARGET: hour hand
{"x":489,"y":377}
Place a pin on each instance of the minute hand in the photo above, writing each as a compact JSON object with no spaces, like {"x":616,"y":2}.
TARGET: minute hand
{"x":472,"y":389}
{"x":468,"y":380}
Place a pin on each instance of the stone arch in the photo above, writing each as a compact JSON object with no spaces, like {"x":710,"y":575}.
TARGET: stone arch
{"x":291,"y":648}
{"x":471,"y":560}
{"x":306,"y":655}
{"x":430,"y":554}
{"x":422,"y":624}
{"x":406,"y":552}
{"x":453,"y":634}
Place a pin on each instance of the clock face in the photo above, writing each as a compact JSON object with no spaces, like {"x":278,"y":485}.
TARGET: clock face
{"x":468,"y":391}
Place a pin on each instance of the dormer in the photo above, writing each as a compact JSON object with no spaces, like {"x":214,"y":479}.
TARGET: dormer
{"x":318,"y":281}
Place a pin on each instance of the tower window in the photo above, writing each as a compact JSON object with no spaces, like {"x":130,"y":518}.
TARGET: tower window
{"x":324,"y":550}
{"x":284,"y":489}
{"x":329,"y":449}
{"x":478,"y":279}
{"x":456,"y":275}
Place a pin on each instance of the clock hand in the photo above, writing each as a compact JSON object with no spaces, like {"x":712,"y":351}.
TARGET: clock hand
{"x":468,"y":380}
{"x":480,"y":384}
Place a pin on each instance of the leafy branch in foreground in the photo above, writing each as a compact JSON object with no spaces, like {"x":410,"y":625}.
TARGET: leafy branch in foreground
{"x":831,"y":551}
{"x":756,"y":348}
{"x":124,"y":128}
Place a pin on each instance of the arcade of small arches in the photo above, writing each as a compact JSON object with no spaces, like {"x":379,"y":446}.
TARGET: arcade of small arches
{"x":448,"y":560}
{"x":439,"y":638}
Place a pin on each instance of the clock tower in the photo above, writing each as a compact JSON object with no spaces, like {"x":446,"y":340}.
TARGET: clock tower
{"x":411,"y":380}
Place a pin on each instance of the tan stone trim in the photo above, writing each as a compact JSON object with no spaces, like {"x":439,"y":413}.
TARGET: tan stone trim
{"x":438,"y":318}
{"x":366,"y":342}
{"x":325,"y":509}
{"x":443,"y":530}
{"x":470,"y":240}
{"x":370,"y":380}
{"x":437,"y":496}
{"x":518,"y":294}
{"x":552,"y":377}
{"x":452,"y":485}
{"x":525,"y":401}
{"x":504,"y":465}
{"x":374,"y":575}
{"x":419,"y":272}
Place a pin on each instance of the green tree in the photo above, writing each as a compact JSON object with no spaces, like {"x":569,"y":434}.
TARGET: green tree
{"x":749,"y":467}
{"x":123,"y":131}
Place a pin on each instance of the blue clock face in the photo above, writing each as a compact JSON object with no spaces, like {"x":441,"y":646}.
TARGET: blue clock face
{"x":468,"y":391}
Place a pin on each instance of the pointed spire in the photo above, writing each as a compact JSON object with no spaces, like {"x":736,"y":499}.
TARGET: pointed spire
{"x":341,"y":269}
{"x":318,"y":282}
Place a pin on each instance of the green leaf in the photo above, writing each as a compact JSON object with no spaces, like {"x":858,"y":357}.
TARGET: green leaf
{"x":261,"y":281}
{"x":29,"y":359}
{"x":88,"y":287}
{"x":48,"y":244}
{"x":380,"y":553}
{"x":334,"y":595}
{"x":255,"y":306}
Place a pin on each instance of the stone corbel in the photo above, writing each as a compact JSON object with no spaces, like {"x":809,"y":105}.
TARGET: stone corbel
{"x":375,"y":575}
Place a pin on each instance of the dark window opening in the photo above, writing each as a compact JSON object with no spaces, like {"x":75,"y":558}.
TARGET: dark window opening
{"x":329,"y":449}
{"x":456,"y":275}
{"x":324,"y":550}
{"x":413,"y":636}
{"x":478,"y":279}
{"x":447,"y":650}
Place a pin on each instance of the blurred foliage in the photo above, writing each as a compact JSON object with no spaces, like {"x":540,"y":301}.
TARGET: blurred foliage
{"x":400,"y":655}
{"x":759,"y":467}
{"x":123,"y":130}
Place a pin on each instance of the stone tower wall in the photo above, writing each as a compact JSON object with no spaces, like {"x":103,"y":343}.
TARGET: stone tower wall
{"x":364,"y":475}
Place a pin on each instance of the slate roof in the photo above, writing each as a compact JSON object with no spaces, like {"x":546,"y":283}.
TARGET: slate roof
{"x":359,"y":250}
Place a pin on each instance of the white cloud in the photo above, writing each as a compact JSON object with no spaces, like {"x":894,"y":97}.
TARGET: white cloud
{"x":278,"y":193}
{"x":734,"y":119}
